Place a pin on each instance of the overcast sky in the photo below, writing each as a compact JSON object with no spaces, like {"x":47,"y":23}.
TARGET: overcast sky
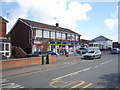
{"x":90,"y":19}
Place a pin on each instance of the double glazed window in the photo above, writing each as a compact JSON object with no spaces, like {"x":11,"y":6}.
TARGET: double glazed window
{"x":52,"y":35}
{"x":46,"y":34}
{"x":5,"y":50}
{"x":63,"y":36}
{"x":73,"y":37}
{"x":58,"y":35}
{"x":39,"y":33}
{"x":77,"y":38}
{"x":69,"y":36}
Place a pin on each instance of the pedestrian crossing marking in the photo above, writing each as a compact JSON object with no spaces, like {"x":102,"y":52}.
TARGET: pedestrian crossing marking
{"x":4,"y":83}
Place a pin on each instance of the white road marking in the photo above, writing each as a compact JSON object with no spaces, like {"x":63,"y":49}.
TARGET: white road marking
{"x":106,"y":62}
{"x":71,"y":74}
{"x":102,"y":64}
{"x":6,"y":84}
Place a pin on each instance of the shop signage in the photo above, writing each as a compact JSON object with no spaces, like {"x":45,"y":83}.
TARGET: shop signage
{"x":85,"y":44}
{"x":38,"y":42}
{"x":52,"y":42}
{"x":58,"y":42}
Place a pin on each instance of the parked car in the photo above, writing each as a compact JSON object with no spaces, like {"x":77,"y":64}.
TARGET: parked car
{"x":82,"y":50}
{"x":92,"y":54}
{"x":115,"y":50}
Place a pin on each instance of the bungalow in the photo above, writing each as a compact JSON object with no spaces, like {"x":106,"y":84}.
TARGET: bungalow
{"x":101,"y":42}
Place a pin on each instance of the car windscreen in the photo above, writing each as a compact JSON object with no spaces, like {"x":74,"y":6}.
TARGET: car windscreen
{"x":91,"y":51}
{"x":114,"y":49}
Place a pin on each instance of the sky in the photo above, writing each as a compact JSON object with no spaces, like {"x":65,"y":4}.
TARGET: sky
{"x":90,"y":18}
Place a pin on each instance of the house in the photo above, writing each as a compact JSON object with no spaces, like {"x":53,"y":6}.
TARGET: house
{"x":4,"y":42}
{"x":35,"y":36}
{"x":101,"y":42}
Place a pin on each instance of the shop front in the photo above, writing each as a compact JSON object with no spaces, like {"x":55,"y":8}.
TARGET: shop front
{"x":56,"y":46}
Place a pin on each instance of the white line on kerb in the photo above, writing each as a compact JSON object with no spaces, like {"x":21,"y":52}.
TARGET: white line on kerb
{"x":71,"y":74}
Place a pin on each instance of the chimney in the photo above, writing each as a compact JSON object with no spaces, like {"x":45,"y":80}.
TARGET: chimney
{"x":57,"y":24}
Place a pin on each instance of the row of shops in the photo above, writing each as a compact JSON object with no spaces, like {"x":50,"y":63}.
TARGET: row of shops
{"x":57,"y":46}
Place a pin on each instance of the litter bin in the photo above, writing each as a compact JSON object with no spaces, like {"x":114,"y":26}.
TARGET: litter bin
{"x":44,"y":59}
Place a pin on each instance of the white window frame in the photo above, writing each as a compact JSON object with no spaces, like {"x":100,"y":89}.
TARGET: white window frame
{"x":52,"y":34}
{"x":47,"y":33}
{"x":4,"y":50}
{"x":37,"y":31}
{"x":63,"y":38}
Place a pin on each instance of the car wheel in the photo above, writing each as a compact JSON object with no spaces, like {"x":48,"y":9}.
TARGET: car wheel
{"x":99,"y":56}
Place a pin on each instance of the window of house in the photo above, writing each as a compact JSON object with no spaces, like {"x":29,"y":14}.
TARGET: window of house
{"x":2,"y":47}
{"x":69,"y":36}
{"x":39,"y":33}
{"x":46,"y":34}
{"x":53,"y":35}
{"x":7,"y":47}
{"x":63,"y":36}
{"x":58,"y":35}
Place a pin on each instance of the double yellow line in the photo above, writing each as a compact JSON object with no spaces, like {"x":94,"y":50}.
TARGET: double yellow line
{"x":68,"y":84}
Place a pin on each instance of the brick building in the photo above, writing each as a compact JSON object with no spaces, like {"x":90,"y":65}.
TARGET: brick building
{"x":5,"y":49}
{"x":34,"y":36}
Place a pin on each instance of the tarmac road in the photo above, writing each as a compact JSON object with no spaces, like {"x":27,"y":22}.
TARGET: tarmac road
{"x":71,"y":73}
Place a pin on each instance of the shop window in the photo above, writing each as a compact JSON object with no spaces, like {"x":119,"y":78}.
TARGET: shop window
{"x":46,"y":34}
{"x":63,"y":36}
{"x":53,"y":35}
{"x":39,"y":33}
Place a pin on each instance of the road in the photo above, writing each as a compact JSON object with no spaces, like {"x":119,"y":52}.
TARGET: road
{"x":79,"y":73}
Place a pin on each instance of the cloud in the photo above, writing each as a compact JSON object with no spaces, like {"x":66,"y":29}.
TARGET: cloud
{"x":111,"y":23}
{"x":50,"y":12}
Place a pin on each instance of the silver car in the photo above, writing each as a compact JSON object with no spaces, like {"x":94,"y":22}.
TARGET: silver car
{"x":92,"y":54}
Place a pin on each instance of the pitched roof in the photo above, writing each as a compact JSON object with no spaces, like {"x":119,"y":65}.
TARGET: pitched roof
{"x":42,"y":25}
{"x":3,"y":20}
{"x":100,"y":38}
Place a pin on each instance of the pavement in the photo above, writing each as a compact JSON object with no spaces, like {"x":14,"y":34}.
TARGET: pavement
{"x":61,"y":61}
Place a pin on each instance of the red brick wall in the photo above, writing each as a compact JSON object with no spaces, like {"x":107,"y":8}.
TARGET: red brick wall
{"x":52,"y":58}
{"x":2,"y":29}
{"x":20,"y":37}
{"x":20,"y":63}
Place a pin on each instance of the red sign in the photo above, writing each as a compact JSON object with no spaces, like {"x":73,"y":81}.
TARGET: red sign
{"x":38,"y":42}
{"x":85,"y":44}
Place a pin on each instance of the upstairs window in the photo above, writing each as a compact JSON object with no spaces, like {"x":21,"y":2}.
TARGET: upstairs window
{"x":68,"y":36}
{"x":52,"y":35}
{"x":46,"y":34}
{"x":73,"y":37}
{"x":63,"y":36}
{"x":39,"y":33}
{"x":58,"y":35}
{"x":77,"y":38}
